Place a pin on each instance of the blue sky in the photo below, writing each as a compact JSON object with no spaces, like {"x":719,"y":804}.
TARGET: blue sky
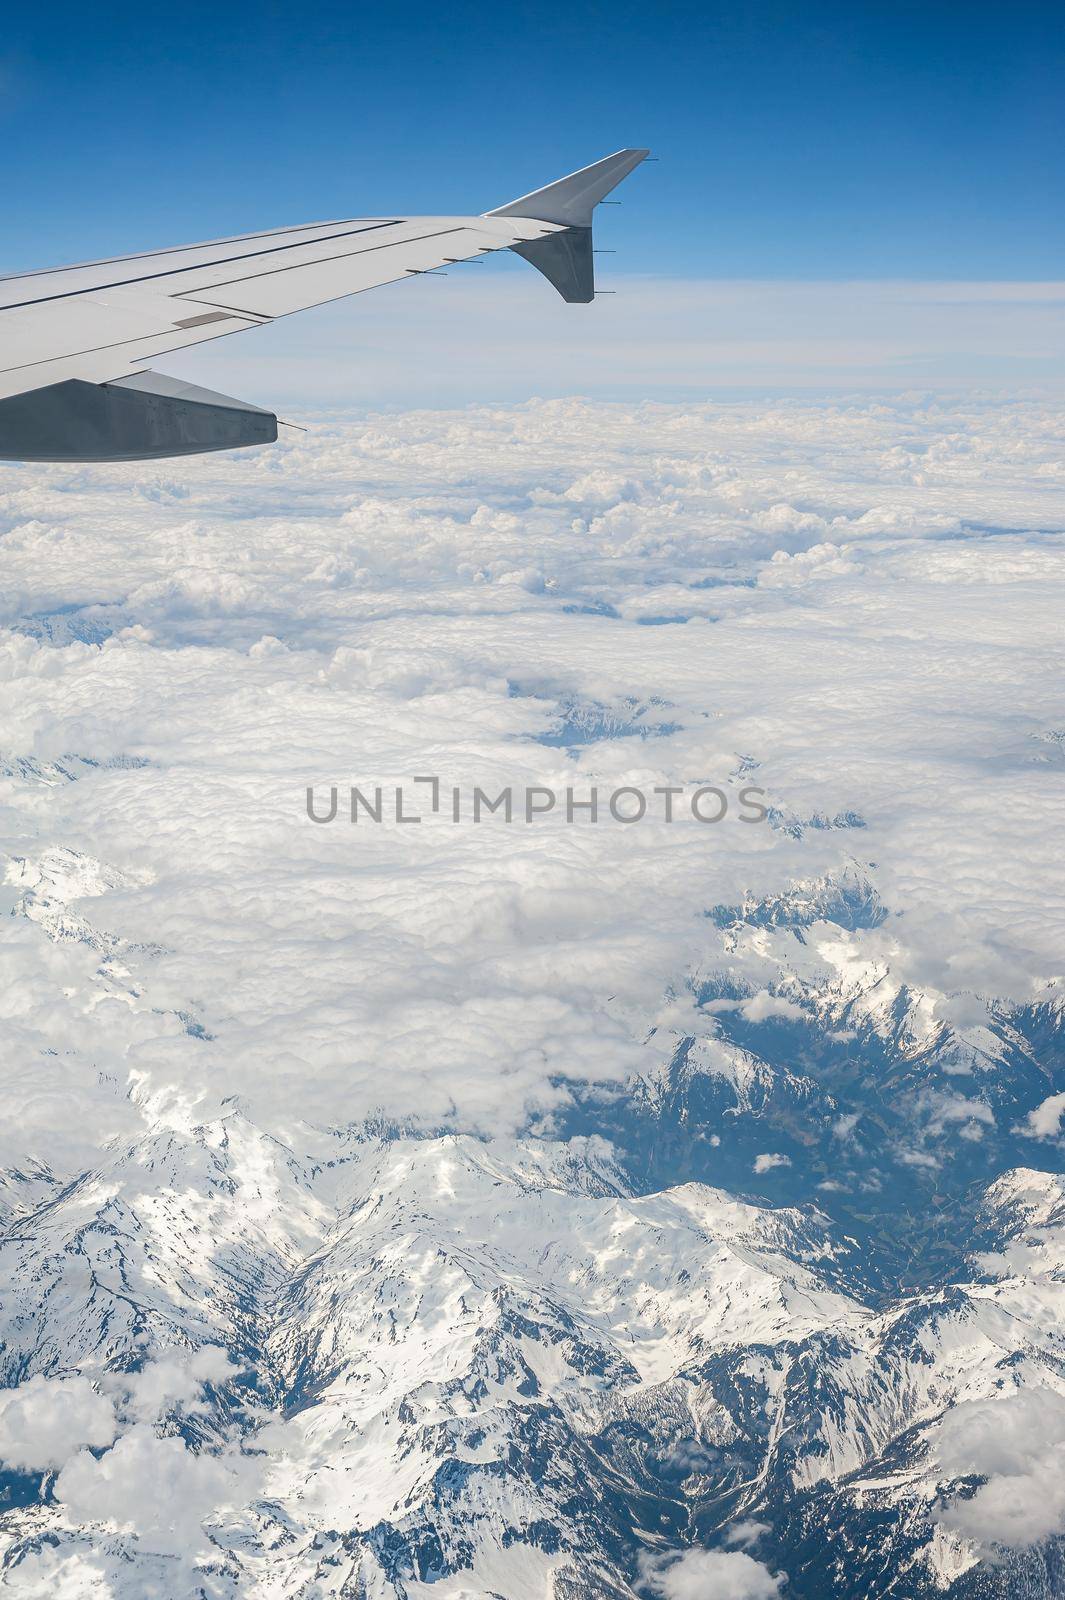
{"x":797,"y":142}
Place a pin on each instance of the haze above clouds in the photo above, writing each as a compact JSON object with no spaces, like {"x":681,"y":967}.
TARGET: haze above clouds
{"x":496,"y":332}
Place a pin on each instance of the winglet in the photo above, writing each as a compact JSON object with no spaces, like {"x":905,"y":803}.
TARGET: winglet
{"x":565,"y":258}
{"x":572,"y":200}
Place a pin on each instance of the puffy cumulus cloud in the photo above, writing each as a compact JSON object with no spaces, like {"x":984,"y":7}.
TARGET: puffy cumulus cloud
{"x":746,"y":1533}
{"x":962,"y":1010}
{"x":711,"y":1575}
{"x":1044,"y":1120}
{"x":959,"y":1111}
{"x":1017,"y":1444}
{"x":769,"y":1160}
{"x":837,"y":604}
{"x":115,"y":1469}
{"x":173,"y":1380}
{"x":44,"y":1420}
{"x":152,"y":1488}
{"x":763,"y":1006}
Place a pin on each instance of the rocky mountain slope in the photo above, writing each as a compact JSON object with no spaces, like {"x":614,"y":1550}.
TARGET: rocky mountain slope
{"x":465,"y":1368}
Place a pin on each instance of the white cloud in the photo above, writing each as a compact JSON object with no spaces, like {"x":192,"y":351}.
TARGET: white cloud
{"x":763,"y":1005}
{"x":174,"y":1379}
{"x":918,"y":1158}
{"x":970,"y":1116}
{"x":457,"y":580}
{"x":770,"y":1159}
{"x":962,"y":1010}
{"x":44,"y":1420}
{"x":149,"y":1487}
{"x":152,"y":1488}
{"x":1018,"y":1444}
{"x":746,"y":1533}
{"x":51,"y":1574}
{"x":712,"y":1575}
{"x":1044,"y":1120}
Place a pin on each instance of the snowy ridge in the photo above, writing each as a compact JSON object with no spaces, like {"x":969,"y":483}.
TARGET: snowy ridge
{"x":479,"y":1359}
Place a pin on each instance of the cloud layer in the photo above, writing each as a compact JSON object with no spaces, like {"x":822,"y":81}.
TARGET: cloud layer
{"x":856,"y":608}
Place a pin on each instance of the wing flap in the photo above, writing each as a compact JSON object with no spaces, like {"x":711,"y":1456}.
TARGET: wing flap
{"x":98,"y":337}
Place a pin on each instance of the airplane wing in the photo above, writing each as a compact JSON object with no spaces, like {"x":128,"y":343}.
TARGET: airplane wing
{"x":77,"y":343}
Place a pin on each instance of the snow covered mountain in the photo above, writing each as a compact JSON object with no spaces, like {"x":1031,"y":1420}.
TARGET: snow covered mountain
{"x":464,"y":1368}
{"x":735,"y":1302}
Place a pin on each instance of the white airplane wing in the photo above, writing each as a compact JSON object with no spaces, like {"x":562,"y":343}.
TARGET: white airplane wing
{"x":77,"y":343}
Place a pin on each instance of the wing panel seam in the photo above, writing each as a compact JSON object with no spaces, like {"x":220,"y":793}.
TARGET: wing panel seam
{"x":180,"y":249}
{"x":321,"y":261}
{"x":202,"y":266}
